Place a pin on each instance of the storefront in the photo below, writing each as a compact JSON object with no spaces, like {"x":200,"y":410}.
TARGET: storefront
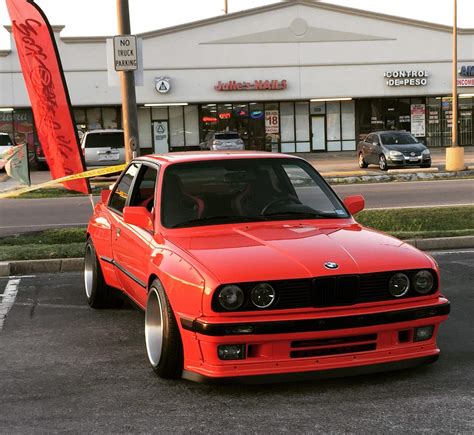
{"x":284,"y":83}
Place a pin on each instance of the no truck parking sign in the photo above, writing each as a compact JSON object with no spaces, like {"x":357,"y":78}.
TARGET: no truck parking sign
{"x":125,"y":53}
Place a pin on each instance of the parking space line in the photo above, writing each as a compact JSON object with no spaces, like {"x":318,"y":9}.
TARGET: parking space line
{"x":8,"y":299}
{"x":66,"y":306}
{"x":465,"y":251}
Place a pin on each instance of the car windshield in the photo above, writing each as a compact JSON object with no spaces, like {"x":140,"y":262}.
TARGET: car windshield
{"x":103,"y":140}
{"x":245,"y":190}
{"x":226,"y":136}
{"x":397,"y":139}
{"x":5,"y":139}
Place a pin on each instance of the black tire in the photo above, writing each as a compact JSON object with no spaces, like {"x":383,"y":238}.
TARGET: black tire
{"x":383,"y":163}
{"x":42,"y":166}
{"x":162,"y":338}
{"x":361,"y":161}
{"x":98,"y":293}
{"x":426,"y":165}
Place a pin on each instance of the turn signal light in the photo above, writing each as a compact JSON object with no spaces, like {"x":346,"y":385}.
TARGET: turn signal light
{"x":231,"y":351}
{"x":423,"y":333}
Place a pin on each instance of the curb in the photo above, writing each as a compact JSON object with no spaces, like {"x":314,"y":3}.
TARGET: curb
{"x":23,"y":267}
{"x":333,"y":178}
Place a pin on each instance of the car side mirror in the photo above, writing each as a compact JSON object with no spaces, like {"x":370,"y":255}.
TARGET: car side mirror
{"x":105,"y":195}
{"x":354,"y":203}
{"x":138,"y":216}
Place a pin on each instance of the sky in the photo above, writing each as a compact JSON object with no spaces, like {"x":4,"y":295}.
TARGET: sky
{"x":98,"y":17}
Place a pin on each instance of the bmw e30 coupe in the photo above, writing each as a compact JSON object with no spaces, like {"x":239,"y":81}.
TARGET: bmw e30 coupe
{"x":250,"y":268}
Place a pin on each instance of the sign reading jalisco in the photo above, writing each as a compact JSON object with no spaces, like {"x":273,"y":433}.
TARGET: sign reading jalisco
{"x":406,"y":78}
{"x":256,"y":85}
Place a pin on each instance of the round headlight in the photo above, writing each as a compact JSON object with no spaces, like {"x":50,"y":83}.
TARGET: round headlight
{"x":231,"y":297}
{"x":398,"y":285}
{"x":262,"y":295}
{"x":423,"y":282}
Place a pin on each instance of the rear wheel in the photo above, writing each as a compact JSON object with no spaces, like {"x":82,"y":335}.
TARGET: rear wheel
{"x":362,"y":162}
{"x":98,"y":293}
{"x":162,"y":337}
{"x":382,"y":163}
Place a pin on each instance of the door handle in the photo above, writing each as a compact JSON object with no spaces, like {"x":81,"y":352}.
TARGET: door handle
{"x":117,"y":232}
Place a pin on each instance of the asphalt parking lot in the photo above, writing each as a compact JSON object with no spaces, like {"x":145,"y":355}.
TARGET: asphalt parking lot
{"x":67,"y":368}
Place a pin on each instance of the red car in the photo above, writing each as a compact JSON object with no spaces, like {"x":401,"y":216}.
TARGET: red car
{"x":249,"y":267}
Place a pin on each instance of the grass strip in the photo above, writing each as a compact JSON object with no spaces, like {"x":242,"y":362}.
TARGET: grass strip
{"x":401,"y":223}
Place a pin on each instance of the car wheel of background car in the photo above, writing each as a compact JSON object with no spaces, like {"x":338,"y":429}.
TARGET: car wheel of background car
{"x":382,"y":163}
{"x":162,"y":337}
{"x":427,"y":165}
{"x":362,"y":163}
{"x":98,"y":293}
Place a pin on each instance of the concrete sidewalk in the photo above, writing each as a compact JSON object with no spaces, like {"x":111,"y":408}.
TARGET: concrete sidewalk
{"x":335,"y":166}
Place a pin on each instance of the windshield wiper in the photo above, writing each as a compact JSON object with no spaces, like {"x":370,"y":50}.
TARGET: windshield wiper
{"x":218,"y":220}
{"x":303,"y":214}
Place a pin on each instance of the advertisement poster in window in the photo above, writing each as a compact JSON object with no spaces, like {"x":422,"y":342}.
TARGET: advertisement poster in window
{"x":417,"y":115}
{"x":272,"y":122}
{"x":160,"y":136}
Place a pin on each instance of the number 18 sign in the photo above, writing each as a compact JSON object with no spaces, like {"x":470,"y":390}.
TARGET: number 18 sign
{"x":272,"y":122}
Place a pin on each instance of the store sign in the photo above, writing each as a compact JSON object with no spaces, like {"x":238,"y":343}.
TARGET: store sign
{"x":467,"y":76}
{"x":160,"y":136}
{"x":417,"y":115}
{"x":125,"y":53}
{"x":162,"y":84}
{"x":272,"y":122}
{"x":256,"y":85}
{"x":406,"y":78}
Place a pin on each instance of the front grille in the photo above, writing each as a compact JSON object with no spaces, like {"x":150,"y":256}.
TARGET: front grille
{"x":327,"y":291}
{"x":333,"y":346}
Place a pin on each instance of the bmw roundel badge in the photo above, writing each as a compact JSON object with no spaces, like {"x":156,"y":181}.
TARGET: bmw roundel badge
{"x":331,"y":265}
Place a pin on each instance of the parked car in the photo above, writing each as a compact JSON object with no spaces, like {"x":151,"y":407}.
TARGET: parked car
{"x":103,"y":147}
{"x":223,"y":141}
{"x":6,"y":142}
{"x":392,"y":149}
{"x":248,"y":266}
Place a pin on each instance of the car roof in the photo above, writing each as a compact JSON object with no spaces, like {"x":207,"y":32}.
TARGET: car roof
{"x":200,"y":156}
{"x":109,"y":130}
{"x":390,"y":131}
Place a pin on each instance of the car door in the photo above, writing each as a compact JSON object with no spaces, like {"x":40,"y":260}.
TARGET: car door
{"x":131,"y":244}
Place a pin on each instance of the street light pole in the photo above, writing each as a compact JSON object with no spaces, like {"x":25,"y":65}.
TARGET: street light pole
{"x":455,"y":153}
{"x":127,"y":87}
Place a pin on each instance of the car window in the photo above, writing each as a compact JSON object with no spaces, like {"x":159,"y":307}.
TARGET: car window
{"x":369,"y":138}
{"x":225,"y":136}
{"x":311,"y":193}
{"x":5,"y":139}
{"x":144,"y":188}
{"x":103,"y":140}
{"x":375,"y":139}
{"x":244,"y":190}
{"x":398,"y":139}
{"x":119,"y":196}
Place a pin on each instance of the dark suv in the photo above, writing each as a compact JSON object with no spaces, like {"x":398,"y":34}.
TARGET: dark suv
{"x":392,"y":149}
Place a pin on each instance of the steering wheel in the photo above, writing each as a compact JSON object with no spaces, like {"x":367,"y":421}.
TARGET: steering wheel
{"x":278,"y":200}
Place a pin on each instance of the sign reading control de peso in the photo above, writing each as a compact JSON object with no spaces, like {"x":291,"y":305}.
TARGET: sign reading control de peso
{"x":406,"y":78}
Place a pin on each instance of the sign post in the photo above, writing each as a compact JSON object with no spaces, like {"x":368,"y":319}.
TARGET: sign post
{"x":125,"y":61}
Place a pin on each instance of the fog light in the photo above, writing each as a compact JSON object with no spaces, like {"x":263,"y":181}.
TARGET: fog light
{"x":231,"y":351}
{"x":424,"y":333}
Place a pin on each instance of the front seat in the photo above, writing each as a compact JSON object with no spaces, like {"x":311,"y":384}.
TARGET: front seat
{"x":179,"y":206}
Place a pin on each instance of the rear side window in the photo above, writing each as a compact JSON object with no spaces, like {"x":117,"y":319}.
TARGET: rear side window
{"x":104,"y":140}
{"x":5,"y":139}
{"x":225,"y":136}
{"x":120,"y":194}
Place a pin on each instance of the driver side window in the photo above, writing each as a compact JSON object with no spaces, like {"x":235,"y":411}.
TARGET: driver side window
{"x":143,"y":194}
{"x":120,"y":194}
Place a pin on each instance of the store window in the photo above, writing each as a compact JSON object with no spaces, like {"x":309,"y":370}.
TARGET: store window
{"x":465,"y":120}
{"x":333,"y":125}
{"x":144,"y":129}
{"x":191,"y":122}
{"x":287,"y":121}
{"x":94,"y":118}
{"x":348,"y":125}
{"x":256,"y":127}
{"x":302,"y":126}
{"x":176,"y":127}
{"x":110,"y":117}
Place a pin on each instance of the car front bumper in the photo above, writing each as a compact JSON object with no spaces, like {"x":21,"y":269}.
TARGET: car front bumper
{"x":406,"y":161}
{"x":304,"y":346}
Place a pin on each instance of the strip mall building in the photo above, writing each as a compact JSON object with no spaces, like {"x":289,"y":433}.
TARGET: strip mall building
{"x":296,"y":76}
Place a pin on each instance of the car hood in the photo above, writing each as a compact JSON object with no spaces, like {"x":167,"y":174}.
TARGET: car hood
{"x":289,"y":251}
{"x":416,"y":148}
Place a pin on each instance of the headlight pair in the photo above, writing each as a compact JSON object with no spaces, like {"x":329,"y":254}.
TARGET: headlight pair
{"x":232,"y":297}
{"x":422,"y":281}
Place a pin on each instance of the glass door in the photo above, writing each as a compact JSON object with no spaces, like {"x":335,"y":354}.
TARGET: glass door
{"x":318,"y":128}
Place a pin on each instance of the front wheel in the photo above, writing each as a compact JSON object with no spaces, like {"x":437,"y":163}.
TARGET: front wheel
{"x":98,"y":293}
{"x":362,"y":162}
{"x":426,"y":165}
{"x":383,"y":163}
{"x":163,"y":340}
